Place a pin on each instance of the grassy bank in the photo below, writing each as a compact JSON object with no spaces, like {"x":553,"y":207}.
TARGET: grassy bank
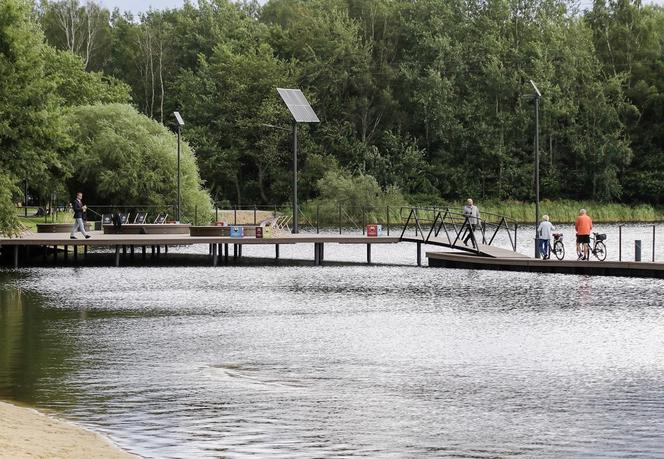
{"x":30,"y":223}
{"x":566,"y":211}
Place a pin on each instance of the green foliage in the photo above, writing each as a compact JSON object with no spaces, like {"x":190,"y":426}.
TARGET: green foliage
{"x":566,"y":211}
{"x":123,"y":157}
{"x":9,"y":223}
{"x":355,"y":194}
{"x":430,"y":97}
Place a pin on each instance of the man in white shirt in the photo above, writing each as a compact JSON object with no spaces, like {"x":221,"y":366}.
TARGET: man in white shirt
{"x":544,"y":233}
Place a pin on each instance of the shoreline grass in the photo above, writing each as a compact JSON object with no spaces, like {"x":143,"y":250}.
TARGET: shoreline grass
{"x":566,"y":211}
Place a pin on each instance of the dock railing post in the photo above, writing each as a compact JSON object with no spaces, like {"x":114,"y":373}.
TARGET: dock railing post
{"x":364,"y":220}
{"x":387,"y":214}
{"x":620,"y":242}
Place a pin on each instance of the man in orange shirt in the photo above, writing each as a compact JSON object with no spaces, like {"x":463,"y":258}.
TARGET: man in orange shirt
{"x":584,"y":225}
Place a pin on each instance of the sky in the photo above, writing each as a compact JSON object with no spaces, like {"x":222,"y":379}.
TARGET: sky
{"x":136,"y":6}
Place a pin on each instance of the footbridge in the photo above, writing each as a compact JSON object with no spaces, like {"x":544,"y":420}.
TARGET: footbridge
{"x":450,"y":228}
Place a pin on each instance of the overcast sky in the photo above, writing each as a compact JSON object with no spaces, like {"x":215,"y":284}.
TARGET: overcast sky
{"x":136,"y":6}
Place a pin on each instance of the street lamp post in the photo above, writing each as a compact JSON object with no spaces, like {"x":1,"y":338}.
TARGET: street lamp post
{"x":180,"y":122}
{"x":537,"y":95}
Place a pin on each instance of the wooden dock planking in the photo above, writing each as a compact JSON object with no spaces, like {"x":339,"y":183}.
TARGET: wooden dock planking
{"x":527,"y":264}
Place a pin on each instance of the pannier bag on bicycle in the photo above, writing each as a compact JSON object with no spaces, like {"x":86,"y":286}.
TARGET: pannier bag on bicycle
{"x":601,"y":237}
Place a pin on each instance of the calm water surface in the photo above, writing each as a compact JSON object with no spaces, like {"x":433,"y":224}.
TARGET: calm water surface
{"x":382,"y":361}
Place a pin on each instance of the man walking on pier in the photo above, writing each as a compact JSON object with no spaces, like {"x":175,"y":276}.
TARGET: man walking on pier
{"x":79,"y":210}
{"x":472,"y":214}
{"x":584,"y":225}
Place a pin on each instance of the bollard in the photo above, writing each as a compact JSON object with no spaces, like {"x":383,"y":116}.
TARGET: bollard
{"x":637,"y":250}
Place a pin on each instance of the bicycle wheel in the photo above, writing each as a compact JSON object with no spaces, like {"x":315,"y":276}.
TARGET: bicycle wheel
{"x":559,"y":250}
{"x":600,"y":251}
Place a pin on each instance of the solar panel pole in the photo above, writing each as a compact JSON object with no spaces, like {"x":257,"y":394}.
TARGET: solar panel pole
{"x":296,"y":228}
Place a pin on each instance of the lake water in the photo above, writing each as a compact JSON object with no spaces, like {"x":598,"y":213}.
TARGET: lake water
{"x":338,"y":361}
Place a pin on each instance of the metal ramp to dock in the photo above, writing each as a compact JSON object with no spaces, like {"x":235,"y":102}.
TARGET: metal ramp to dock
{"x":449,"y":228}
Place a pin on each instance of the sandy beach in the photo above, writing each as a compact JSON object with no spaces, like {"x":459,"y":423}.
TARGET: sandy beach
{"x":26,"y":433}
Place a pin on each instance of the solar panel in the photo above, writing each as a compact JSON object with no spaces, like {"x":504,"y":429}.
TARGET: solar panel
{"x":298,"y":105}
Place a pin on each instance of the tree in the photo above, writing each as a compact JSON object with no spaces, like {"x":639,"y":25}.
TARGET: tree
{"x":123,"y":157}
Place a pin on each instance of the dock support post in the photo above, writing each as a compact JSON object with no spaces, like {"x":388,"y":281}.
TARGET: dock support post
{"x":143,"y":252}
{"x":152,"y":251}
{"x":16,"y":256}
{"x":117,"y":256}
{"x":226,"y":252}
{"x":66,"y":252}
{"x":214,"y":255}
{"x":45,"y":252}
{"x":131,"y":251}
{"x":368,"y":254}
{"x":85,"y":251}
{"x":158,"y":250}
{"x":165,"y":249}
{"x":76,"y":253}
{"x":419,"y":254}
{"x":124,"y":250}
{"x":239,"y":250}
{"x":319,"y":253}
{"x":55,"y":254}
{"x":637,"y":250}
{"x":276,"y":251}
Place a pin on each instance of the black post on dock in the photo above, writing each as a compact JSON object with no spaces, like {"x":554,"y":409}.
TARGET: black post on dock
{"x":620,"y":242}
{"x":637,"y":250}
{"x":653,"y":243}
{"x":368,"y":254}
{"x":387,"y":214}
{"x":419,"y":254}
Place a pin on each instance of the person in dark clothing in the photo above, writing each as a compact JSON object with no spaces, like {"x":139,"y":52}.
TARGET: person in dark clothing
{"x":79,"y":212}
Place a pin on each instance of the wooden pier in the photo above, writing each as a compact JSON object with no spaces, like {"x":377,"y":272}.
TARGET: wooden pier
{"x":20,"y":250}
{"x":527,"y":264}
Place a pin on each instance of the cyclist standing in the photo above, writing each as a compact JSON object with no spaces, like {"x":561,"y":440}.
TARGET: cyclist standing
{"x":544,"y":232}
{"x":584,"y":225}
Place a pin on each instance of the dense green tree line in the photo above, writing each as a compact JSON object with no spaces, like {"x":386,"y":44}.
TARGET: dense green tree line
{"x":63,"y":129}
{"x":425,"y":95}
{"x":429,"y":99}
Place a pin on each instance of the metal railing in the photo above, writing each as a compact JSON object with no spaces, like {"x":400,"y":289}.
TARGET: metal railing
{"x":430,"y":222}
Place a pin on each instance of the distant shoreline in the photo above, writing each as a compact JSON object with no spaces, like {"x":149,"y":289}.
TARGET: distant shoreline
{"x":26,"y":432}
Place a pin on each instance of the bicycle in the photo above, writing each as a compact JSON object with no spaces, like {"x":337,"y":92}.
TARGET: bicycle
{"x":558,"y":248}
{"x":597,"y":247}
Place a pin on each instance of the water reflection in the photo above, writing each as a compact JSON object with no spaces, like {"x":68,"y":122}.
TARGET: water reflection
{"x":341,"y":361}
